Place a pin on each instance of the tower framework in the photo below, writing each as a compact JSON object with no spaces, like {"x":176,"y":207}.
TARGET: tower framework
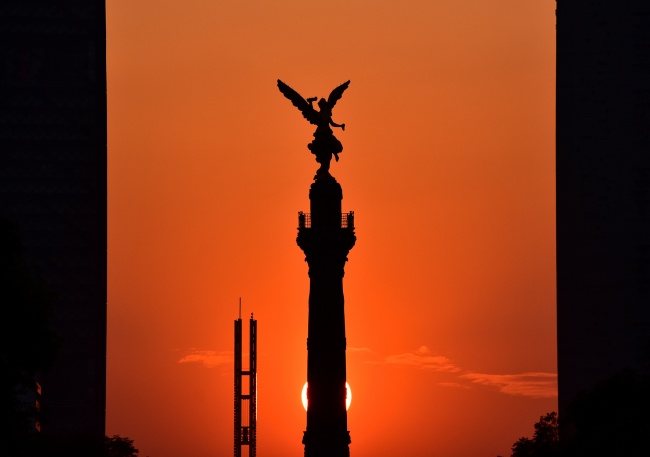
{"x":246,"y":403}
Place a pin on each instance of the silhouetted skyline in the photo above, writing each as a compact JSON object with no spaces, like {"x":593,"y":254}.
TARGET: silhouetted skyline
{"x":53,"y":191}
{"x":603,"y":201}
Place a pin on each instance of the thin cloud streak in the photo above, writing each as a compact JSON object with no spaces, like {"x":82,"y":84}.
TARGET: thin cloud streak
{"x":209,"y":359}
{"x":536,"y":385}
{"x":529,"y":384}
{"x":422,"y":359}
{"x":454,"y":385}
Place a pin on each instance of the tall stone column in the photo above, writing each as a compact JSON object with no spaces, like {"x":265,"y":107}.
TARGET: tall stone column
{"x":326,"y":236}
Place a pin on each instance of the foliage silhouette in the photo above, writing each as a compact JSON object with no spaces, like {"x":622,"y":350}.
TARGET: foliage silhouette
{"x":545,"y":441}
{"x":117,"y":446}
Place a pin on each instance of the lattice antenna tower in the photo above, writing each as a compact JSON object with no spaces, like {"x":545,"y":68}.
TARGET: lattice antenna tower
{"x":245,"y":390}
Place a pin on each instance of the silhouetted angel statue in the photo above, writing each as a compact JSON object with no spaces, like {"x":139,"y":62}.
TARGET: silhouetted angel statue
{"x":325,"y":143}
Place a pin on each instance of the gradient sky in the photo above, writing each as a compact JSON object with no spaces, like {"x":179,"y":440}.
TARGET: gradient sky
{"x":448,"y":163}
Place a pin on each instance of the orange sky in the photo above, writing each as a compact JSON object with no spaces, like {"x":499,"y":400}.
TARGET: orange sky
{"x":448,"y":163}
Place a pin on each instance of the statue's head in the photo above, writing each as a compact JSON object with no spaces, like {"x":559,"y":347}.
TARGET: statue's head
{"x":322,"y":103}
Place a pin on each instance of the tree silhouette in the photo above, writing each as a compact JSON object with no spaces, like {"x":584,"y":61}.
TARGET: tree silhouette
{"x":545,"y":442}
{"x":117,"y":446}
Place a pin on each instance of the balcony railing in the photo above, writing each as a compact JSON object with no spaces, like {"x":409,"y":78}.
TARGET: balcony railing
{"x":347,"y":220}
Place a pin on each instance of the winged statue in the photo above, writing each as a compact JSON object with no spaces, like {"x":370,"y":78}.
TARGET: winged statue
{"x":325,"y":144}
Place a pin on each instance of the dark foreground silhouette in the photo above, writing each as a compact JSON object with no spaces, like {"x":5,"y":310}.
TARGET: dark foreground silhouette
{"x":609,"y":420}
{"x":27,"y":344}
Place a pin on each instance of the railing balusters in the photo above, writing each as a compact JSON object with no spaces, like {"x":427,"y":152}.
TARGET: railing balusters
{"x":347,"y":220}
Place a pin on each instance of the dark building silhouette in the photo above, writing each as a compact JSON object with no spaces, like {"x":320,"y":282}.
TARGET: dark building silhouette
{"x":53,"y":192}
{"x":326,"y":236}
{"x":246,"y":403}
{"x":603,"y":196}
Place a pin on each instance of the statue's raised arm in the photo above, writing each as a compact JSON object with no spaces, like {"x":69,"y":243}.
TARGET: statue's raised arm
{"x":325,"y":144}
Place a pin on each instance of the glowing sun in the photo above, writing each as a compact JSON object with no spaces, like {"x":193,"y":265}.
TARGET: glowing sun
{"x":348,"y":396}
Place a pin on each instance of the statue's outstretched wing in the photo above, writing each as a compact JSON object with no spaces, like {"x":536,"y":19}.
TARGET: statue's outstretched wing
{"x":303,"y":105}
{"x":337,"y":93}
